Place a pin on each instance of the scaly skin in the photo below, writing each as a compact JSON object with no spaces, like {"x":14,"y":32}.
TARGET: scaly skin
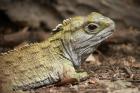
{"x":57,"y":58}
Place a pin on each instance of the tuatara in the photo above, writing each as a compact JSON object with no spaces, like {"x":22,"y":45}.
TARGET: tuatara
{"x":57,"y":58}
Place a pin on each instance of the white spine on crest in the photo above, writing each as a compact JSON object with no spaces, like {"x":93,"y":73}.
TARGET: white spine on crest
{"x":58,"y":26}
{"x":65,"y":22}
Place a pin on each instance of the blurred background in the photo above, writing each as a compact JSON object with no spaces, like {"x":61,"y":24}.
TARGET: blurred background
{"x":27,"y":21}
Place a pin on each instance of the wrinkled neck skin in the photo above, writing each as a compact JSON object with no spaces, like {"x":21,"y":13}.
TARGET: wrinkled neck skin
{"x":76,"y":49}
{"x":78,"y":46}
{"x":75,"y":54}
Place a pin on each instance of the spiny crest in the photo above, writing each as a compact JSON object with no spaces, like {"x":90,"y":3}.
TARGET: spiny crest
{"x":8,"y":52}
{"x":5,"y":53}
{"x":57,"y":28}
{"x":60,"y":26}
{"x":18,"y":49}
{"x":66,"y":21}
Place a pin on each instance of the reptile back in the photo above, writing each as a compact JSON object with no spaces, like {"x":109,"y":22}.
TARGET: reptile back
{"x":29,"y":67}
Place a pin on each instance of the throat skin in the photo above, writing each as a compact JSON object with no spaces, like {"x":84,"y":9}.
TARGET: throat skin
{"x":73,"y":54}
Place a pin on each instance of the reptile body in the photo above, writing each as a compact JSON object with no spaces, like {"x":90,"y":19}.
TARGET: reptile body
{"x":51,"y":61}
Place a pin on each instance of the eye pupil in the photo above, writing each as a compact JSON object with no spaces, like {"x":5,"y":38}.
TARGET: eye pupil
{"x":92,"y":26}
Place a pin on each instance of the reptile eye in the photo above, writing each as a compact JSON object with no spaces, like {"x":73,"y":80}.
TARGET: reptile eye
{"x":91,"y":27}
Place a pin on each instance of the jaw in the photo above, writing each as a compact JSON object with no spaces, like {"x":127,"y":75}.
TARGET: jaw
{"x":104,"y":34}
{"x":94,"y":42}
{"x":77,"y":52}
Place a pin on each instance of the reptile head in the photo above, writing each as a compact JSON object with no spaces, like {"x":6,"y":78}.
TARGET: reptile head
{"x":85,"y":33}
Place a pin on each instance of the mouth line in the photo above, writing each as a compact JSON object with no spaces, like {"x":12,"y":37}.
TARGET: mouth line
{"x":109,"y":29}
{"x":99,"y":37}
{"x":105,"y":34}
